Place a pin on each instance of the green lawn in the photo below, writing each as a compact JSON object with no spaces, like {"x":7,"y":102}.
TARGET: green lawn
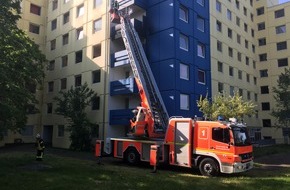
{"x":20,"y":171}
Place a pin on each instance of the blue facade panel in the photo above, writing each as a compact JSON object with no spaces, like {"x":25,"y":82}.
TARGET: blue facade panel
{"x":120,"y":117}
{"x":164,"y":29}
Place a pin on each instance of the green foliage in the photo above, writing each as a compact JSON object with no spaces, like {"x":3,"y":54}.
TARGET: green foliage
{"x":20,"y":67}
{"x":226,"y":106}
{"x":72,"y":105}
{"x":282,"y":97}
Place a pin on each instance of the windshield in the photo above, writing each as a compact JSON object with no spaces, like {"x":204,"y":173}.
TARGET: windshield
{"x":241,"y":136}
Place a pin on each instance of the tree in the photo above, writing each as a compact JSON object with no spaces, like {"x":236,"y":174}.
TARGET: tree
{"x":282,"y":97}
{"x":72,"y":105}
{"x":21,"y":66}
{"x":226,"y":106}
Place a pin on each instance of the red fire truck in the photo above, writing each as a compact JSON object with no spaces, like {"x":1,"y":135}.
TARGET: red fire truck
{"x":212,"y":146}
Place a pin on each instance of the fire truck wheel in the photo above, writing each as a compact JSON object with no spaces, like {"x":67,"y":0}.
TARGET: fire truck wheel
{"x":208,"y":167}
{"x":132,"y":156}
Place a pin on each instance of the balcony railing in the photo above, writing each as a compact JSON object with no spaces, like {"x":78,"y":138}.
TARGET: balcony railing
{"x":123,"y":87}
{"x":120,"y":117}
{"x":119,"y":58}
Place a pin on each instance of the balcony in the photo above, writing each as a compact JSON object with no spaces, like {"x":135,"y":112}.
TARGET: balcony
{"x":120,"y":117}
{"x":119,"y":58}
{"x":116,"y":29}
{"x":132,"y":3}
{"x":123,"y":87}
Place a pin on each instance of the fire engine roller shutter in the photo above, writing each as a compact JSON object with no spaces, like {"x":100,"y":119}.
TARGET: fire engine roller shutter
{"x":182,"y":144}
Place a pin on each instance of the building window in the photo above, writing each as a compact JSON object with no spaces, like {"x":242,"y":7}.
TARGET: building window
{"x":265,"y":106}
{"x":245,"y":27}
{"x":96,"y":76}
{"x":249,"y":95}
{"x":230,"y":51}
{"x":34,"y":28}
{"x":201,"y":77}
{"x":183,"y":42}
{"x":80,"y":33}
{"x":241,"y":92}
{"x":283,"y":62}
{"x":97,"y":25}
{"x":65,"y":39}
{"x":49,"y":108}
{"x":220,"y":87}
{"x":247,"y":60}
{"x":97,"y":3}
{"x":266,"y":122}
{"x":248,"y":78}
{"x":218,"y":26}
{"x":34,"y":9}
{"x":79,"y":56}
{"x":279,"y":13}
{"x":219,"y":46}
{"x":281,"y":46}
{"x":264,"y":89}
{"x":246,"y":44}
{"x":54,"y":4}
{"x":281,"y":29}
{"x":97,"y":50}
{"x":220,"y":66}
{"x":63,"y":82}
{"x":264,"y":73}
{"x":238,"y":38}
{"x":201,"y":50}
{"x":263,"y":57}
{"x":60,"y":130}
{"x":51,"y":65}
{"x":237,"y":4}
{"x":229,"y":14}
{"x":78,"y":80}
{"x":253,"y":48}
{"x":261,"y":26}
{"x":232,"y":91}
{"x":96,"y":103}
{"x":251,"y":2}
{"x":66,"y":18}
{"x":255,"y":80}
{"x":80,"y":10}
{"x":65,"y":1}
{"x":64,"y":61}
{"x":201,"y":2}
{"x":245,"y":11}
{"x":252,"y":17}
{"x":238,"y":21}
{"x":260,"y":11}
{"x":184,"y":71}
{"x":52,"y":44}
{"x":239,"y":55}
{"x":184,"y":102}
{"x":218,"y":6}
{"x":231,"y":71}
{"x":230,"y":33}
{"x":240,"y":74}
{"x":262,"y":41}
{"x":50,"y":86}
{"x":183,"y":13}
{"x":200,"y":24}
{"x":53,"y":24}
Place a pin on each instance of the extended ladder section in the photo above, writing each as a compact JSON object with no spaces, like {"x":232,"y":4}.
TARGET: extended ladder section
{"x":142,"y":72}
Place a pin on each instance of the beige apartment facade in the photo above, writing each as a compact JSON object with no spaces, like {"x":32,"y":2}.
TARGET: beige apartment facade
{"x":75,"y":37}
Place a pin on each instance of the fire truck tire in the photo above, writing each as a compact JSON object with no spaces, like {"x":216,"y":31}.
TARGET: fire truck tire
{"x":132,"y":156}
{"x":208,"y":167}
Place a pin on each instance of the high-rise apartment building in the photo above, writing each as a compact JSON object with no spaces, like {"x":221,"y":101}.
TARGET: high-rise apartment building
{"x":194,"y":48}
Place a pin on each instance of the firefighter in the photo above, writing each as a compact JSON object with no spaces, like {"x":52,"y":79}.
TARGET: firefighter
{"x":39,"y":144}
{"x":115,"y":5}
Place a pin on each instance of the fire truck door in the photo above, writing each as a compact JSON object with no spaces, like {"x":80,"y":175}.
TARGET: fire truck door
{"x":182,"y":144}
